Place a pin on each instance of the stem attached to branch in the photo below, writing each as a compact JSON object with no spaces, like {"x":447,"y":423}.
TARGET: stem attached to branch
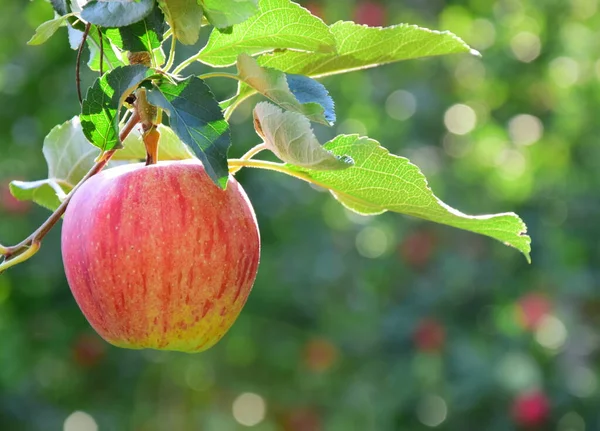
{"x":28,"y":247}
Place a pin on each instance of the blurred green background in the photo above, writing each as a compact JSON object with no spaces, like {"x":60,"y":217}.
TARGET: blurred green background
{"x":354,"y":323}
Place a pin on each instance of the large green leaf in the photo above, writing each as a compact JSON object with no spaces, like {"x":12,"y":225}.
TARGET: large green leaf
{"x":195,"y":116}
{"x":362,"y":47}
{"x":46,"y":30}
{"x":380,"y":181}
{"x":279,"y":24}
{"x":290,"y":136}
{"x":70,"y":156}
{"x":145,"y":35}
{"x":185,"y":19}
{"x":225,"y":13}
{"x":293,"y":92}
{"x":116,"y":13}
{"x":103,"y":102}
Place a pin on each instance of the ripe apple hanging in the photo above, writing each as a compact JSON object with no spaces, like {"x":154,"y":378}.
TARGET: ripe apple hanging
{"x":158,"y":256}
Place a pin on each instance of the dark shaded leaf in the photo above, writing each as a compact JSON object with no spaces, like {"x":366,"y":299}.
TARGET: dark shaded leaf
{"x":195,"y":116}
{"x":116,"y":13}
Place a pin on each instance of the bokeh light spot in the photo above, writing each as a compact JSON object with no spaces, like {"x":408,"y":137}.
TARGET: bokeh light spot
{"x":571,"y":422}
{"x":564,"y":71}
{"x":249,"y":409}
{"x":352,"y":126}
{"x":460,"y":119}
{"x":372,"y":242}
{"x":525,"y":129}
{"x":432,"y":410}
{"x":551,"y":333}
{"x":526,"y":46}
{"x":582,"y":382}
{"x":80,"y":421}
{"x":401,"y":105}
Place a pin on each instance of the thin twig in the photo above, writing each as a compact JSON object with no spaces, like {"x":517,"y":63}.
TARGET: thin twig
{"x":77,"y":65}
{"x":101,"y":51}
{"x":31,"y":244}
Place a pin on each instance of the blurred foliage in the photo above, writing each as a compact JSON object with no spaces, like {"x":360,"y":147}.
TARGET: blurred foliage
{"x":354,"y":323}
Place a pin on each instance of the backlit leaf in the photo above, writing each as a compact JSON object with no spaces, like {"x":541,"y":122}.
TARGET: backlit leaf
{"x":290,"y":136}
{"x":225,"y":13}
{"x":361,"y":47}
{"x":380,"y":181}
{"x":185,"y":19}
{"x":278,"y":24}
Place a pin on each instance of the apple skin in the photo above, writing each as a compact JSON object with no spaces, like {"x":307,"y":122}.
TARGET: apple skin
{"x":160,"y":257}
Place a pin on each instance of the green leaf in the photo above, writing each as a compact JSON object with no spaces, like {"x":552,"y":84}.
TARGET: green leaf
{"x":60,"y":6}
{"x":185,"y":19}
{"x":290,"y":136}
{"x":380,"y":181}
{"x":69,"y":156}
{"x":278,"y":24}
{"x":145,"y":35}
{"x":361,"y":47}
{"x":195,"y":116}
{"x":116,"y":13}
{"x":103,"y":102}
{"x":46,"y":30}
{"x":293,"y":92}
{"x":170,"y":147}
{"x":225,"y":13}
{"x":112,"y":58}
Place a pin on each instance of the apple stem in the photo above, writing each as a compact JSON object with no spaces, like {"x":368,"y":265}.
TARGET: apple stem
{"x":28,"y":247}
{"x":151,"y":138}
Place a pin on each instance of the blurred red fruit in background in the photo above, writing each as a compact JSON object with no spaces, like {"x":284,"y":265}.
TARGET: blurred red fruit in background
{"x":320,"y":354}
{"x":531,"y":409}
{"x":370,"y":13}
{"x":532,"y":308}
{"x":429,"y":336}
{"x":417,"y":248}
{"x":88,"y":350}
{"x":10,"y":204}
{"x":315,"y":8}
{"x":303,"y":419}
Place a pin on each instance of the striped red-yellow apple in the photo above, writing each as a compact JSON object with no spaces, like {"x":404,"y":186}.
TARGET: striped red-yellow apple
{"x":158,"y":256}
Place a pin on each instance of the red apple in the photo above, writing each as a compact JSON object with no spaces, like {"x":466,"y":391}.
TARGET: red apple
{"x":158,"y":256}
